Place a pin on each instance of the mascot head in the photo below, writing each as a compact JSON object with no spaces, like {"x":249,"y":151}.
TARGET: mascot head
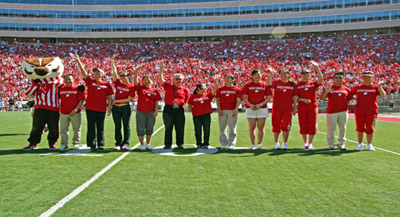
{"x":51,"y":67}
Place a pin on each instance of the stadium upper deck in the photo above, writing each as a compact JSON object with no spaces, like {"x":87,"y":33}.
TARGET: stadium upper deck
{"x":194,"y":19}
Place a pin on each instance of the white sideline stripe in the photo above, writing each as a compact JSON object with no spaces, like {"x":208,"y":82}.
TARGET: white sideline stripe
{"x":382,"y":149}
{"x":78,"y":190}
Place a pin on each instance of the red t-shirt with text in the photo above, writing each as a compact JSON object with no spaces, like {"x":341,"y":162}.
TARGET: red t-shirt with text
{"x":201,"y":104}
{"x":147,"y":98}
{"x":97,"y":94}
{"x":228,"y":97}
{"x":256,"y":93}
{"x":338,"y":99}
{"x":70,"y":97}
{"x":307,"y":90}
{"x":367,"y":99}
{"x":122,"y":91}
{"x":283,"y":96}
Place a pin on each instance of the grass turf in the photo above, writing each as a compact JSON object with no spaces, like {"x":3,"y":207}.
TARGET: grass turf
{"x":229,"y":183}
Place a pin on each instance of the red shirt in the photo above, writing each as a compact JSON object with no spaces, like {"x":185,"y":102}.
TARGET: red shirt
{"x":367,"y":99}
{"x":122,"y":91}
{"x":201,"y":104}
{"x":70,"y":97}
{"x":180,"y":94}
{"x":307,"y":90}
{"x":338,"y":99}
{"x":147,"y":98}
{"x":97,"y":94}
{"x":283,"y":96}
{"x":228,"y":97}
{"x":256,"y":92}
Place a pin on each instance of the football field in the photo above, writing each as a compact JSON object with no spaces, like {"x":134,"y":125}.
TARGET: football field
{"x":238,"y":182}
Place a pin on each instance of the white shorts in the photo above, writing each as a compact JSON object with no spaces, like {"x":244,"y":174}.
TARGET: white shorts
{"x":260,"y":113}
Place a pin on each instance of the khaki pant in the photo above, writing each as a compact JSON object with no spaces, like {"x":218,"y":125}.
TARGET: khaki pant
{"x":75,"y":121}
{"x":340,"y":119}
{"x":224,"y":120}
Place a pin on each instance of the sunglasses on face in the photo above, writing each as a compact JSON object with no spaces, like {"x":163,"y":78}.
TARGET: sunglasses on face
{"x":124,"y":75}
{"x":304,"y":73}
{"x":178,"y":79}
{"x":338,"y":78}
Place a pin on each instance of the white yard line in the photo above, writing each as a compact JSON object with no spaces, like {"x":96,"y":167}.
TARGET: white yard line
{"x":382,"y":149}
{"x":78,"y":190}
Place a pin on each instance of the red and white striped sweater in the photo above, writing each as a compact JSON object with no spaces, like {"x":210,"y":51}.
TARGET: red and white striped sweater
{"x":46,"y":93}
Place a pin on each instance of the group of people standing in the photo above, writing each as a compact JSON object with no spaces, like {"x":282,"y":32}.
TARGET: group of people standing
{"x":289,"y":99}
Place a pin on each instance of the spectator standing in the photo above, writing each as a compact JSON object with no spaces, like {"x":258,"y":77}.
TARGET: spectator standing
{"x":256,"y":95}
{"x":11,"y":103}
{"x":200,"y":105}
{"x":338,"y":96}
{"x":98,"y":102}
{"x":306,"y":96}
{"x":71,"y":98}
{"x":366,"y":109}
{"x":176,"y":96}
{"x":228,"y":99}
{"x":282,"y":105}
{"x":121,"y":110}
{"x":147,"y":108}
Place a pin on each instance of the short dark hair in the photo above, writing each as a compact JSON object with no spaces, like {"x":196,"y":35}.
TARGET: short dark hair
{"x":69,"y":74}
{"x":339,"y":73}
{"x":255,"y":71}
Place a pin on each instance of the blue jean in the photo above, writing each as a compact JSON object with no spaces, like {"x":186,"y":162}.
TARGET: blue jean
{"x":122,"y":114}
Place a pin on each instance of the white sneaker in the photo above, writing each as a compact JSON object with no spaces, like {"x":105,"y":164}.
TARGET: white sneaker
{"x":223,"y":146}
{"x":117,"y":148}
{"x":231,"y":147}
{"x":148,"y":147}
{"x":259,"y":146}
{"x":331,"y":147}
{"x":142,"y":147}
{"x":370,"y":147}
{"x":63,"y":147}
{"x":285,"y":146}
{"x":310,"y":147}
{"x":360,"y":147}
{"x":305,"y":146}
{"x":76,"y":147}
{"x":252,"y":146}
{"x":277,"y":146}
{"x":341,"y":147}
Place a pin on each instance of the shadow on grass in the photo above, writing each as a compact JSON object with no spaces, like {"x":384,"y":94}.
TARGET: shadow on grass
{"x":296,"y":151}
{"x":13,"y":134}
{"x":187,"y":151}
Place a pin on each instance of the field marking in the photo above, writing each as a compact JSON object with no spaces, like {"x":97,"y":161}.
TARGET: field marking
{"x":168,"y":152}
{"x":78,"y":190}
{"x":382,"y":149}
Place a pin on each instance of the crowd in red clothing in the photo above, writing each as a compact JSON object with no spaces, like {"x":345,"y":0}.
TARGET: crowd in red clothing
{"x":199,"y":61}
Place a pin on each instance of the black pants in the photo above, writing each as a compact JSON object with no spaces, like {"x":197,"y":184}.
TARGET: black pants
{"x":41,"y":117}
{"x":122,"y":113}
{"x":202,"y":121}
{"x":95,"y":120}
{"x":174,"y":117}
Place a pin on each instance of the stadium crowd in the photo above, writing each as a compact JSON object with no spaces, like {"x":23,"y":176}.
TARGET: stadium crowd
{"x":198,"y":62}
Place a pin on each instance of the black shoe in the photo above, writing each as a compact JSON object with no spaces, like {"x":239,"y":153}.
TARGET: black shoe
{"x":180,"y":146}
{"x":167,"y":147}
{"x":93,"y":148}
{"x":198,"y":147}
{"x":101,"y":147}
{"x":205,"y":147}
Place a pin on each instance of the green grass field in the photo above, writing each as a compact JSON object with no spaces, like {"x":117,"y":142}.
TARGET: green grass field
{"x":228,"y":183}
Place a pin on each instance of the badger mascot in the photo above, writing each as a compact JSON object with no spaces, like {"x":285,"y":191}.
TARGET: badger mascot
{"x":45,"y":76}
